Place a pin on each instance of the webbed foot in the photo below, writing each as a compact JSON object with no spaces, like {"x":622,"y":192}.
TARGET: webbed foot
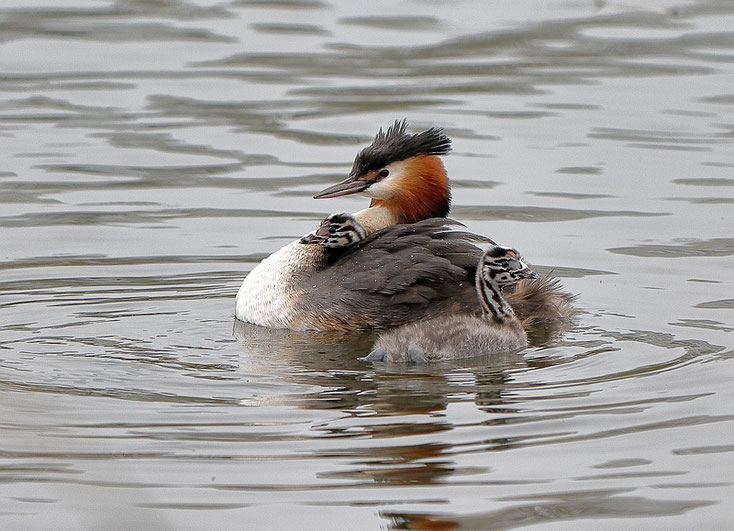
{"x":415,"y":353}
{"x":376,"y":355}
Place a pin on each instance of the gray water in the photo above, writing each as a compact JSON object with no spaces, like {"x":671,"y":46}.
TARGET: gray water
{"x":154,"y":152}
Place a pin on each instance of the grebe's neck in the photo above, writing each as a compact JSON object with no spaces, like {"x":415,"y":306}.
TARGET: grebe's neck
{"x":493,"y":304}
{"x":422,"y":191}
{"x":376,"y":218}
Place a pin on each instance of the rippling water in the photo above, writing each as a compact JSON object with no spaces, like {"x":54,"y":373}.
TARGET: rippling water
{"x":154,"y":152}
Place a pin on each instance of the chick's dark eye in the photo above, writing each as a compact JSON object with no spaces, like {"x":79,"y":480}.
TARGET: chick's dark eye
{"x":384,"y":173}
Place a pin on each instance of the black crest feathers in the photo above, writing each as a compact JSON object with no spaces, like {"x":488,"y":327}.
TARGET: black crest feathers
{"x":397,"y":144}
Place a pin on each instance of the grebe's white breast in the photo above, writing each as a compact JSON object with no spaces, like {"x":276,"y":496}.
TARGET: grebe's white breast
{"x":268,"y":294}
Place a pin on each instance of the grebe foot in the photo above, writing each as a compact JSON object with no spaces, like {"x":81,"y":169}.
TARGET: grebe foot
{"x":415,"y":353}
{"x":376,"y":355}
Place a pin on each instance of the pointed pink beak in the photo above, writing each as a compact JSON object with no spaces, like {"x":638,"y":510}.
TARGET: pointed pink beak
{"x":350,"y":185}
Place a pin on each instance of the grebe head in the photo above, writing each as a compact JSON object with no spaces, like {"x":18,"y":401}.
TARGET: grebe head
{"x":503,"y":266}
{"x":401,"y":172}
{"x":336,"y":230}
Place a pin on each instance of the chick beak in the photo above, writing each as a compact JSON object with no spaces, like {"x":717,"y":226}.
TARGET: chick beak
{"x":311,"y":238}
{"x":526,"y":272}
{"x":318,"y":236}
{"x":350,"y":185}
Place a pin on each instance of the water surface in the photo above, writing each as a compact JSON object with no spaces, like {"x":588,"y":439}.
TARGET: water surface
{"x":154,"y":152}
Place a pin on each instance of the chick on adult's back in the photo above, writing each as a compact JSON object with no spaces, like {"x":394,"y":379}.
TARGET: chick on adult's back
{"x":464,"y":336}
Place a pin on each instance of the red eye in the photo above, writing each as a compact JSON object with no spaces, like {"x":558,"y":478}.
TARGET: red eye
{"x":384,"y":173}
{"x":512,"y":252}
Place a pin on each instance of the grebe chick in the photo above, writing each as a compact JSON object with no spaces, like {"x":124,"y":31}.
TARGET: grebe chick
{"x":336,"y":231}
{"x":463,"y":336}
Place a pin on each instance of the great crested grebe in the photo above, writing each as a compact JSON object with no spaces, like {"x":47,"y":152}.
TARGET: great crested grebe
{"x":463,"y":336}
{"x":410,"y":266}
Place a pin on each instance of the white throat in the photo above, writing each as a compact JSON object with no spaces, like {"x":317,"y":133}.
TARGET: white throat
{"x":375,"y":218}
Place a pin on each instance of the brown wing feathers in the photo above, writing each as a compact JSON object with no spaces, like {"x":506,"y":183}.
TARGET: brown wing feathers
{"x":397,"y":275}
{"x":404,"y":273}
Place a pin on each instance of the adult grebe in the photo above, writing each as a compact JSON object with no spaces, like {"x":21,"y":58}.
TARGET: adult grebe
{"x":454,"y":336}
{"x":410,"y":266}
